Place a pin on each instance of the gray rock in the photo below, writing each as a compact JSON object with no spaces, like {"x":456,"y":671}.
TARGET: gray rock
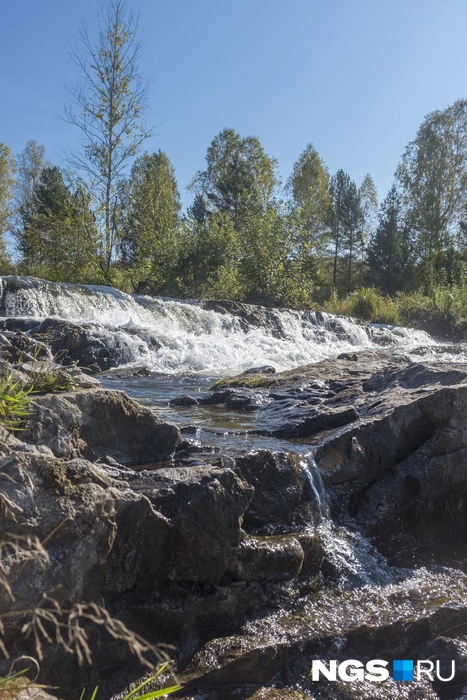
{"x":283,"y":499}
{"x":99,"y":424}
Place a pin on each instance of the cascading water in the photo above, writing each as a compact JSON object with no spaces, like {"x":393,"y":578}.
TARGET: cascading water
{"x":170,"y":337}
{"x":310,"y":468}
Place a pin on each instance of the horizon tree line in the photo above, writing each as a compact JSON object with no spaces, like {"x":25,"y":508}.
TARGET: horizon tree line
{"x":114,"y":214}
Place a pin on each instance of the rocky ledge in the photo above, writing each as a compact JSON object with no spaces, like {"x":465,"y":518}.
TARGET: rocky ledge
{"x":236,"y":561}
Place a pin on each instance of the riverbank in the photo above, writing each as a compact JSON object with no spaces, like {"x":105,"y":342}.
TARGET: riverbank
{"x":442,"y":312}
{"x":331,"y":525}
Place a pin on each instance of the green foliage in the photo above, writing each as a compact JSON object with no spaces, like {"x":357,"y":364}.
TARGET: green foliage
{"x":57,"y":236}
{"x":389,"y":251}
{"x":208,"y":261}
{"x":309,"y":186}
{"x":252,"y":381}
{"x":369,"y":207}
{"x":443,"y":312}
{"x":7,"y":181}
{"x":238,"y":175}
{"x":270,"y":271}
{"x":433,"y":178}
{"x":136,"y":694}
{"x":366,"y":304}
{"x":346,"y":219}
{"x":15,"y":397}
{"x":45,"y":380}
{"x":150,"y":225}
{"x":14,"y":402}
{"x":107,"y":108}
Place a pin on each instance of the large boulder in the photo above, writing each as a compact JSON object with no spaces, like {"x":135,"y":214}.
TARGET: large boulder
{"x":99,"y":425}
{"x":73,"y":343}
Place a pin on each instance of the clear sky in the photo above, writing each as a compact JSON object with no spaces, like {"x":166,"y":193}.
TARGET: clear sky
{"x":354,"y":77}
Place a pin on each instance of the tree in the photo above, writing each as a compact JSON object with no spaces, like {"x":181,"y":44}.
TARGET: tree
{"x":151,"y":221}
{"x":346,"y":219}
{"x":271,"y":271}
{"x":369,"y":205}
{"x":108,"y":110}
{"x":7,"y":181}
{"x":310,"y":191}
{"x":239,"y":175}
{"x":30,"y":163}
{"x":433,"y":179}
{"x":58,"y":239}
{"x":389,"y":249}
{"x":353,"y":225}
{"x":208,"y":260}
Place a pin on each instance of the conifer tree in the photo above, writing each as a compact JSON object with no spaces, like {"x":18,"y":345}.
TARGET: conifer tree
{"x":389,"y":249}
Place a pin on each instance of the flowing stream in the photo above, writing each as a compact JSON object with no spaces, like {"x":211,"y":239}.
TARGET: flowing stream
{"x":185,"y":346}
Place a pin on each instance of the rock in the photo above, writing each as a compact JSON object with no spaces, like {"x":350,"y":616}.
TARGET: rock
{"x":265,"y":369}
{"x":72,"y":343}
{"x":232,"y":560}
{"x":189,"y":429}
{"x":283,"y":498}
{"x":216,"y":397}
{"x":205,"y":505}
{"x":34,"y":693}
{"x":18,"y":325}
{"x":317,"y":422}
{"x":248,"y":315}
{"x":183,"y":400}
{"x":266,"y":559}
{"x":99,"y":424}
{"x":388,"y":622}
{"x":246,"y":401}
{"x":110,"y":531}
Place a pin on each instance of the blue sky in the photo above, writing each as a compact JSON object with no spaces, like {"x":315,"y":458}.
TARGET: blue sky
{"x":354,"y":77}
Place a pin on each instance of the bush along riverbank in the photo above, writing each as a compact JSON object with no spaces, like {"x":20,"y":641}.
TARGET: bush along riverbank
{"x":442,"y":312}
{"x":250,"y":565}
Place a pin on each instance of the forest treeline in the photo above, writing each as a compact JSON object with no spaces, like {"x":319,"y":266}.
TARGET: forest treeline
{"x":247,"y":235}
{"x":113,"y":215}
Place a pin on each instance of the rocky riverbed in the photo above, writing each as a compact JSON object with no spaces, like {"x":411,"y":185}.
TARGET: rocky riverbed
{"x":341,"y":535}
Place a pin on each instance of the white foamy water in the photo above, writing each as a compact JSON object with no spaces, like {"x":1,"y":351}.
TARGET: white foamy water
{"x":171,"y":336}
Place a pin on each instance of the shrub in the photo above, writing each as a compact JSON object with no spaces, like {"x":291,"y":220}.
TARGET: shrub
{"x":366,"y":304}
{"x":14,"y":401}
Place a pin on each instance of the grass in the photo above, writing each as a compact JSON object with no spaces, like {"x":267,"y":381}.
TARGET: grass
{"x":136,"y":693}
{"x":45,"y":380}
{"x":14,"y":402}
{"x":367,"y":304}
{"x":16,"y":397}
{"x":47,"y":622}
{"x":442,"y":312}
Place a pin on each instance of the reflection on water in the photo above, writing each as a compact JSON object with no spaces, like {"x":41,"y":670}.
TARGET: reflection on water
{"x":227,"y":430}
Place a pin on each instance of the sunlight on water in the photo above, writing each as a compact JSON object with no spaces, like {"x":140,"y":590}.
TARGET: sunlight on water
{"x":170,"y":336}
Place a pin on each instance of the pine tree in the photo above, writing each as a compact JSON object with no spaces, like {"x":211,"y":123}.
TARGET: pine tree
{"x":389,"y":249}
{"x":346,"y":218}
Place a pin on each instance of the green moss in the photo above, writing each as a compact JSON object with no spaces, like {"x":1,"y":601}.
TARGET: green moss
{"x":251,"y":381}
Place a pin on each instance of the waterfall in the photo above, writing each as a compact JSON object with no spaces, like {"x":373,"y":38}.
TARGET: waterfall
{"x":311,"y":471}
{"x":172,"y":336}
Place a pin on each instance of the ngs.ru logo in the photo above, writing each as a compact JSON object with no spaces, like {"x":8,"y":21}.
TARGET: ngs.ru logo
{"x":377,"y":670}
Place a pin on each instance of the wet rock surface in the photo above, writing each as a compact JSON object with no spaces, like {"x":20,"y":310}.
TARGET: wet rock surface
{"x":232,"y":559}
